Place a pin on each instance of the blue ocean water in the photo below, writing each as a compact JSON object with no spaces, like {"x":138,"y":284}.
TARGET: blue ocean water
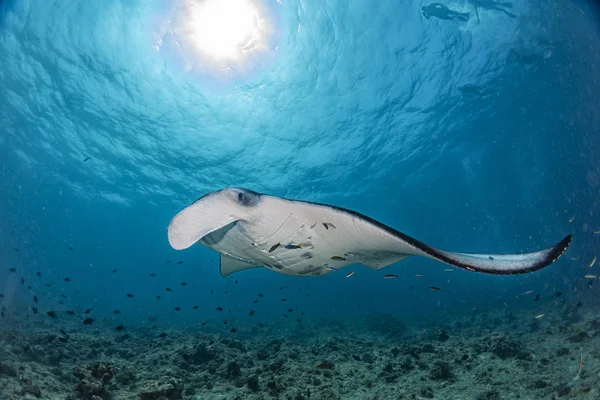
{"x":470,"y":125}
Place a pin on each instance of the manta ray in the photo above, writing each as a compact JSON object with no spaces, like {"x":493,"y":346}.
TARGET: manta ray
{"x":302,"y":238}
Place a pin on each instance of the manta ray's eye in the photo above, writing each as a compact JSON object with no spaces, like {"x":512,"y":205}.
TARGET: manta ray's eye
{"x":244,"y":197}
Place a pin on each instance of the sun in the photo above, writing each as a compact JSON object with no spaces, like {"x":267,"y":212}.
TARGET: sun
{"x":224,"y":29}
{"x":217,"y":39}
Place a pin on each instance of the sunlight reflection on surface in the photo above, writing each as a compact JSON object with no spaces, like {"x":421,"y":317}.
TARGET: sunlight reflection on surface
{"x":221,"y":38}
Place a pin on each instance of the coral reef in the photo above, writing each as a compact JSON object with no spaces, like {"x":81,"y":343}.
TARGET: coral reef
{"x":491,"y":357}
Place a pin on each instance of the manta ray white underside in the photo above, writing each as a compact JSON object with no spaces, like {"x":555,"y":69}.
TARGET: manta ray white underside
{"x":309,"y":239}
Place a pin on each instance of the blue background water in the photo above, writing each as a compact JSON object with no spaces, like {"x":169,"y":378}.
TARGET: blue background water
{"x":471,"y":136}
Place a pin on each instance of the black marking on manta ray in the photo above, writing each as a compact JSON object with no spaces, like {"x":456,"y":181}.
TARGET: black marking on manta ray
{"x":553,"y":255}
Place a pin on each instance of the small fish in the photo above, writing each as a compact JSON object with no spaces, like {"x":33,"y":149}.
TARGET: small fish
{"x":558,"y":294}
{"x":332,"y":268}
{"x":593,"y":262}
{"x":180,"y":262}
{"x":274,"y":247}
{"x":390,"y":276}
{"x":183,"y":283}
{"x":298,"y":320}
{"x":12,"y":269}
{"x":38,"y":274}
{"x":87,"y":159}
{"x":219,"y":308}
{"x":282,"y":299}
{"x":67,"y":279}
{"x":88,"y":321}
{"x":177,"y":308}
{"x":63,"y":332}
{"x":63,"y":339}
{"x":529,"y":292}
{"x":129,"y":295}
{"x":255,"y":301}
{"x":22,"y":281}
{"x":293,"y":246}
{"x":168,"y":290}
{"x":290,"y":310}
{"x":158,"y":297}
{"x":233,"y":330}
{"x":120,"y":328}
{"x":114,"y":270}
{"x":162,"y":335}
{"x":89,"y":310}
{"x":34,"y":309}
{"x":349,"y":274}
{"x":203,"y":323}
{"x":539,"y":316}
{"x":572,"y":219}
{"x":285,"y":315}
{"x":225,"y":323}
{"x":35,"y":299}
{"x":70,"y":312}
{"x":448,"y":270}
{"x":261,"y":295}
{"x":328,"y":225}
{"x":260,"y":325}
{"x":590,"y":283}
{"x":337,"y":258}
{"x":2,"y":296}
{"x":153,"y":275}
{"x":50,"y":284}
{"x":419,"y":275}
{"x":251,"y":312}
{"x":434,"y":288}
{"x":116,"y":312}
{"x":70,"y":249}
{"x":537,"y":297}
{"x":63,"y":296}
{"x":51,"y":314}
{"x":591,"y":276}
{"x":324,"y":366}
{"x":597,"y":232}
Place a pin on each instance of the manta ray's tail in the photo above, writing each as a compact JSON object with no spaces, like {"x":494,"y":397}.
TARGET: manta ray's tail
{"x":499,"y":264}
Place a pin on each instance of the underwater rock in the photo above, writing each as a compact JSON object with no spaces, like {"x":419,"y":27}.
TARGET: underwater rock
{"x":7,"y":370}
{"x":32,"y":390}
{"x":562,"y":390}
{"x":442,"y":335}
{"x":326,"y":394}
{"x":491,"y":394}
{"x":125,"y":377}
{"x":165,"y":388}
{"x":93,"y":379}
{"x":441,"y":371}
{"x":252,"y":383}
{"x":578,"y":337}
{"x":200,"y":355}
{"x":388,"y":374}
{"x":504,"y":347}
{"x":233,"y":369}
{"x":563,"y":351}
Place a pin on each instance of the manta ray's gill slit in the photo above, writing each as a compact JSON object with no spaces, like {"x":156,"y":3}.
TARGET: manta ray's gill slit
{"x":292,"y":234}
{"x":280,"y":226}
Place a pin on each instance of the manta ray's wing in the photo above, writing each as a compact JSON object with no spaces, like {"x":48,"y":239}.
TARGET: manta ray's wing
{"x":366,"y":241}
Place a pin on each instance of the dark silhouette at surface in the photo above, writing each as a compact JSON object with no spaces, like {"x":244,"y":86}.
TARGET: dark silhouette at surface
{"x":440,"y":11}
